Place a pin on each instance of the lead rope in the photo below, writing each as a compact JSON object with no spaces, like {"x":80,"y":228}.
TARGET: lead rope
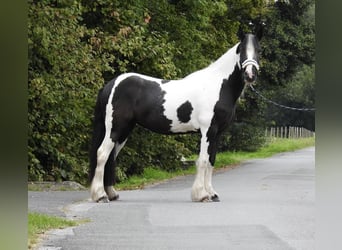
{"x":277,"y":104}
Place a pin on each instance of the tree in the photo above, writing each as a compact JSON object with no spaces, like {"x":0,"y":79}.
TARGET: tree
{"x":300,"y":93}
{"x":289,"y":40}
{"x":64,"y":75}
{"x":287,"y":75}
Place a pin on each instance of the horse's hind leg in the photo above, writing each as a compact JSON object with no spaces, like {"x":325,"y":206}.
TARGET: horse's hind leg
{"x":97,"y":188}
{"x":109,"y":175}
{"x":122,"y":128}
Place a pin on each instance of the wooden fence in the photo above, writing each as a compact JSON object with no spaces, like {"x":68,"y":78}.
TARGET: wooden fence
{"x":288,"y":132}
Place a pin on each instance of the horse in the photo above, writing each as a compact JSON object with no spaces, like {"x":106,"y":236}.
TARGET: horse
{"x":203,"y":101}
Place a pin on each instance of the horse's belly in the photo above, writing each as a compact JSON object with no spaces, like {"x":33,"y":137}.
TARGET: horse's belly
{"x":179,"y":127}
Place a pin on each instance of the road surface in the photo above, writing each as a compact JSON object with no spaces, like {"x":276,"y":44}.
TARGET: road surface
{"x":265,"y":204}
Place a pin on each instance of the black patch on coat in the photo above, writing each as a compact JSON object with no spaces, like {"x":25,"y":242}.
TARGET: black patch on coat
{"x":137,"y":100}
{"x":224,"y":110}
{"x":184,"y":112}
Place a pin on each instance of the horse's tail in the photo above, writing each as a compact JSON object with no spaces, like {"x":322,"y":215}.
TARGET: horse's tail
{"x":99,"y":131}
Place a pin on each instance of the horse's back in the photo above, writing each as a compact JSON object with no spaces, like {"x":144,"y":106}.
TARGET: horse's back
{"x":163,"y":106}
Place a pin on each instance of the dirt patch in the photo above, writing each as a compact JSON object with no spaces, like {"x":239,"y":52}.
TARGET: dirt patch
{"x":55,"y":186}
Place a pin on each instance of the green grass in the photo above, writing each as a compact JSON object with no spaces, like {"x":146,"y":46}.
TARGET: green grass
{"x":40,"y":223}
{"x":275,"y":146}
{"x":152,"y":175}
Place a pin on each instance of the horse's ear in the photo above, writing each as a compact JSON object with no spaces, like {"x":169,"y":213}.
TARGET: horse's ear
{"x":260,"y":30}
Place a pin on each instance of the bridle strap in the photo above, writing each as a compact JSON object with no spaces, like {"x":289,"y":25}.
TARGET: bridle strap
{"x":250,"y":62}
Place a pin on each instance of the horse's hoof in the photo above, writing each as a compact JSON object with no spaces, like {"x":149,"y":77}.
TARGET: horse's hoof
{"x":205,"y":199}
{"x":103,"y":199}
{"x":114,"y":198}
{"x":215,"y":198}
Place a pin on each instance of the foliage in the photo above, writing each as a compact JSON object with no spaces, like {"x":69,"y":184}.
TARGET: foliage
{"x":300,"y":93}
{"x":122,"y":29}
{"x":246,"y":137}
{"x":77,"y":46}
{"x":145,"y":148}
{"x":64,"y":75}
{"x":289,"y":41}
{"x":288,"y":53}
{"x":247,"y":131}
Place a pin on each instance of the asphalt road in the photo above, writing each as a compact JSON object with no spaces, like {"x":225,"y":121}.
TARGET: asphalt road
{"x":265,"y":204}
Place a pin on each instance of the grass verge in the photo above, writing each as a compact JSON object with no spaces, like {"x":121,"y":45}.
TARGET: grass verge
{"x":150,"y":176}
{"x":224,"y":159}
{"x":40,"y":223}
{"x":275,"y":146}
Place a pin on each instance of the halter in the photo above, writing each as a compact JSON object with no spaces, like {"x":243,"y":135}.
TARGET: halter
{"x":250,"y":62}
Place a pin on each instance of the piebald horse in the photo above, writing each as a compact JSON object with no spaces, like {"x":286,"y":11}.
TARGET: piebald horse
{"x":203,"y":101}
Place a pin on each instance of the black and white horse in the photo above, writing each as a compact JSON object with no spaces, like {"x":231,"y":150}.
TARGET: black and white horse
{"x":203,"y":101}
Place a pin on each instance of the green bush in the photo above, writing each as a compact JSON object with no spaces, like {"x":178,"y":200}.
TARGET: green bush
{"x":246,"y":137}
{"x":145,"y":148}
{"x":64,"y":75}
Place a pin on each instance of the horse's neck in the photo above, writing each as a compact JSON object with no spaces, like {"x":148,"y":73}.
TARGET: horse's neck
{"x":222,"y":74}
{"x":221,"y":68}
{"x":227,"y":67}
{"x":226,"y":63}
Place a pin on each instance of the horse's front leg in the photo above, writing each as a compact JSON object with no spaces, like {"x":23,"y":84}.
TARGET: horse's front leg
{"x":202,"y":189}
{"x":208,"y":184}
{"x":213,"y":137}
{"x":97,"y":189}
{"x":199,"y":190}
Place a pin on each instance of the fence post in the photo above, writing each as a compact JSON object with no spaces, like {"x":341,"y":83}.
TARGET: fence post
{"x":281,"y":132}
{"x":297,"y":134}
{"x":286,"y":135}
{"x":294,"y":132}
{"x":288,"y":132}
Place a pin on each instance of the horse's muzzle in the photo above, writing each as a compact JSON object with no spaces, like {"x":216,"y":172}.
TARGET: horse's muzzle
{"x":250,"y":74}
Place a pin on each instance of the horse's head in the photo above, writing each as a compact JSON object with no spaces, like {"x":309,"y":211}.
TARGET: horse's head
{"x":249,"y":56}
